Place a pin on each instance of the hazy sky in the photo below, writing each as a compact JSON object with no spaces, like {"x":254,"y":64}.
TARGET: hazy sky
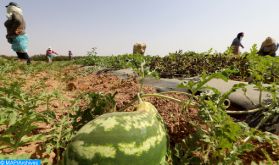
{"x":164,"y":25}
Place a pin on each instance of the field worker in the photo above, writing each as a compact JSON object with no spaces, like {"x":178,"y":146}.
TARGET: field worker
{"x":50,"y":54}
{"x":237,"y":43}
{"x":70,"y":55}
{"x":268,"y":47}
{"x":16,"y":35}
{"x":139,"y":48}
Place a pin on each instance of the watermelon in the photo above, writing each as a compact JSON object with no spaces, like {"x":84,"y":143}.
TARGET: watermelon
{"x":120,"y":138}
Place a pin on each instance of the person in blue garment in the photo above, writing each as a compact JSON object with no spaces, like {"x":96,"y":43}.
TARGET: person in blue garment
{"x":16,"y":35}
{"x":50,"y":54}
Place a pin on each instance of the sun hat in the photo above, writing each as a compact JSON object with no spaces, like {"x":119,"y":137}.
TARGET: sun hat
{"x":269,"y":41}
{"x":12,"y":4}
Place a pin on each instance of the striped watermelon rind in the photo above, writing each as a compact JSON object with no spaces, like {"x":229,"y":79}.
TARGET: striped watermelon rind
{"x":120,"y":138}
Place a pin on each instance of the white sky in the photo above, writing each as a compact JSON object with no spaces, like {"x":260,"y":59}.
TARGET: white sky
{"x":165,"y":26}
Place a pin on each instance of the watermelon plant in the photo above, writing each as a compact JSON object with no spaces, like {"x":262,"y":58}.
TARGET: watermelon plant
{"x":18,"y":117}
{"x":99,"y":104}
{"x":223,"y":141}
{"x":218,"y":139}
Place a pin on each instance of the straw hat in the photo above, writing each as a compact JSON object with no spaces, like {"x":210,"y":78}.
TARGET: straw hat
{"x":269,"y":41}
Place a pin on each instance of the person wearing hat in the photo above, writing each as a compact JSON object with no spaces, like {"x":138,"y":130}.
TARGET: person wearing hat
{"x":139,"y":48}
{"x":50,"y":54}
{"x":16,"y":35}
{"x":237,"y":43}
{"x":268,"y":47}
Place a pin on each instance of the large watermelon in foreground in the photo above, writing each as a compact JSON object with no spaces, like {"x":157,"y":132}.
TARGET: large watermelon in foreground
{"x":120,"y":138}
